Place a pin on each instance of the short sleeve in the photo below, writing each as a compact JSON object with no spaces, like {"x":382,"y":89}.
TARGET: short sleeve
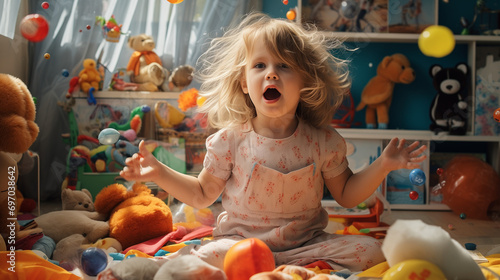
{"x":334,"y":149}
{"x":219,"y":159}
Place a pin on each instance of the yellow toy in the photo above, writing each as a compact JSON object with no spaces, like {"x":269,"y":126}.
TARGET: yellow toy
{"x":377,"y":94}
{"x":89,"y":77}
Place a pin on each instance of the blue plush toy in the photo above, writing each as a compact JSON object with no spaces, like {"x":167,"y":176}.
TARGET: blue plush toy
{"x":448,"y":110}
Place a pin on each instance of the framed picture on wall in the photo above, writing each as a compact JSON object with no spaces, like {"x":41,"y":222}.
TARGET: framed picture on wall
{"x":347,"y":15}
{"x":412,"y":16}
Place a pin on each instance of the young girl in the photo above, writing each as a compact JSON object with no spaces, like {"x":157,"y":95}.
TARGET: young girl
{"x":271,"y":88}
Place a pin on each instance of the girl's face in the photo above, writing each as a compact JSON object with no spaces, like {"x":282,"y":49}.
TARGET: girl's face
{"x":272,"y":85}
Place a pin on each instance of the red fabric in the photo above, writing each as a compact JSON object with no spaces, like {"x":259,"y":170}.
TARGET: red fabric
{"x":152,"y":246}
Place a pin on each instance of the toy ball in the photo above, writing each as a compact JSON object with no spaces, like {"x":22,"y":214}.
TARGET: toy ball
{"x":246,"y":258}
{"x":470,"y":187}
{"x":291,"y":15}
{"x":93,"y":261}
{"x":414,"y":269}
{"x":34,"y":27}
{"x":413,"y":195}
{"x":496,"y":115}
{"x":175,"y":1}
{"x":45,"y":5}
{"x":436,"y":41}
{"x":108,"y":136}
{"x":417,"y":177}
{"x":46,"y":55}
{"x":65,"y":73}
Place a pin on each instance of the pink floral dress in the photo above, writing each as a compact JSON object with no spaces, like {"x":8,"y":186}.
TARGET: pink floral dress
{"x":273,"y":192}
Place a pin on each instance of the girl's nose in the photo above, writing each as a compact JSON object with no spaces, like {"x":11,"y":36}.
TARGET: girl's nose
{"x":271,"y":76}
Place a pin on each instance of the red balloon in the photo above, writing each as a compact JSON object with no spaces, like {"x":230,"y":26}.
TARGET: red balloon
{"x":470,"y":186}
{"x":34,"y":27}
{"x":246,"y":258}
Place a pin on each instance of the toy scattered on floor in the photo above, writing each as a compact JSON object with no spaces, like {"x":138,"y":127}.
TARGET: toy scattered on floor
{"x":19,"y":131}
{"x":448,"y":110}
{"x":145,"y":64}
{"x":189,"y":267}
{"x":414,"y":269}
{"x":134,"y":215}
{"x":34,"y":27}
{"x":131,"y":268}
{"x":470,"y":187}
{"x":417,"y":177}
{"x":252,"y":252}
{"x":414,"y":240}
{"x":377,"y":94}
{"x":436,"y":41}
{"x":93,"y":261}
{"x":77,"y":200}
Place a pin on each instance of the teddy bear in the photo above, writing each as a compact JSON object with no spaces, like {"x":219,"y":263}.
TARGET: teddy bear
{"x":134,"y":215}
{"x":180,"y":78}
{"x":448,"y":110}
{"x":377,"y":94}
{"x":77,"y":200}
{"x":19,"y":131}
{"x":145,"y":66}
{"x":89,"y":77}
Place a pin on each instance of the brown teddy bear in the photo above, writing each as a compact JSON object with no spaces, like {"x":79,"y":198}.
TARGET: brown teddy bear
{"x":144,"y":64}
{"x":377,"y":94}
{"x":19,"y":131}
{"x":180,"y":78}
{"x":135,"y":216}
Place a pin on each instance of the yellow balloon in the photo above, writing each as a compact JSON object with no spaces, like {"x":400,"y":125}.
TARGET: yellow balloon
{"x":414,"y":269}
{"x":175,"y":1}
{"x":436,"y":41}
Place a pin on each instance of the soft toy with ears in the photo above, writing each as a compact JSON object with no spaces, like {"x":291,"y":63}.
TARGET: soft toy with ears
{"x":377,"y":94}
{"x":135,"y":215}
{"x":19,"y":131}
{"x":448,"y":110}
{"x":145,"y":64}
{"x":77,"y":200}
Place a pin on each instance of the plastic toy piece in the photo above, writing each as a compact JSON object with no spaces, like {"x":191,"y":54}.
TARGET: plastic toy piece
{"x":90,"y":98}
{"x":413,"y":195}
{"x":93,"y":261}
{"x":496,"y":115}
{"x":414,"y":269}
{"x":246,"y":258}
{"x":108,"y":136}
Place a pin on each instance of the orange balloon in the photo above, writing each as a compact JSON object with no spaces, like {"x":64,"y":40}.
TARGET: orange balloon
{"x":246,"y":258}
{"x":175,"y":1}
{"x":291,"y":15}
{"x":470,"y":186}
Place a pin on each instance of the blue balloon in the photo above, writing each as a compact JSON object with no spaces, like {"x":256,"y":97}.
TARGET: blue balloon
{"x":417,"y":177}
{"x":93,"y":261}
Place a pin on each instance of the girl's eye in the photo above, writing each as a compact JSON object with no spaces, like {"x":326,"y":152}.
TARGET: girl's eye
{"x":259,"y":65}
{"x":283,"y":65}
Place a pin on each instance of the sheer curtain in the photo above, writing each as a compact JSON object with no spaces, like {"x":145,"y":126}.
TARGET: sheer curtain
{"x":181,"y":32}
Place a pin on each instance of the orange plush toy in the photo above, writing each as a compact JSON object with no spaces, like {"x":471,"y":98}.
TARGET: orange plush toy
{"x":18,"y":132}
{"x":135,"y":215}
{"x":377,"y":94}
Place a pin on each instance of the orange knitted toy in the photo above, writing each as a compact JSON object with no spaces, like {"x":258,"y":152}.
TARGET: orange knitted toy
{"x":135,"y":216}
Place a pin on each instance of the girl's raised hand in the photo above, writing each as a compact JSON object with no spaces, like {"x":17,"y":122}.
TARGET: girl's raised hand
{"x":142,"y":166}
{"x":398,"y":155}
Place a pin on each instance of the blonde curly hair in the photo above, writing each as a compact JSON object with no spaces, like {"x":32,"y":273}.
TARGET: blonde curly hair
{"x":326,"y":77}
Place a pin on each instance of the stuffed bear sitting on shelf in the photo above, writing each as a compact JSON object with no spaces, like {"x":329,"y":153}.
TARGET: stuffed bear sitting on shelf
{"x":448,"y":110}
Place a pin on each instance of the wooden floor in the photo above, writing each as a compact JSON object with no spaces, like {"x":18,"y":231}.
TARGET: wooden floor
{"x":485,"y":234}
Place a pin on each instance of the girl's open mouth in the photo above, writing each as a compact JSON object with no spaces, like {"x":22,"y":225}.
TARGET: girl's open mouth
{"x":271,"y":94}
